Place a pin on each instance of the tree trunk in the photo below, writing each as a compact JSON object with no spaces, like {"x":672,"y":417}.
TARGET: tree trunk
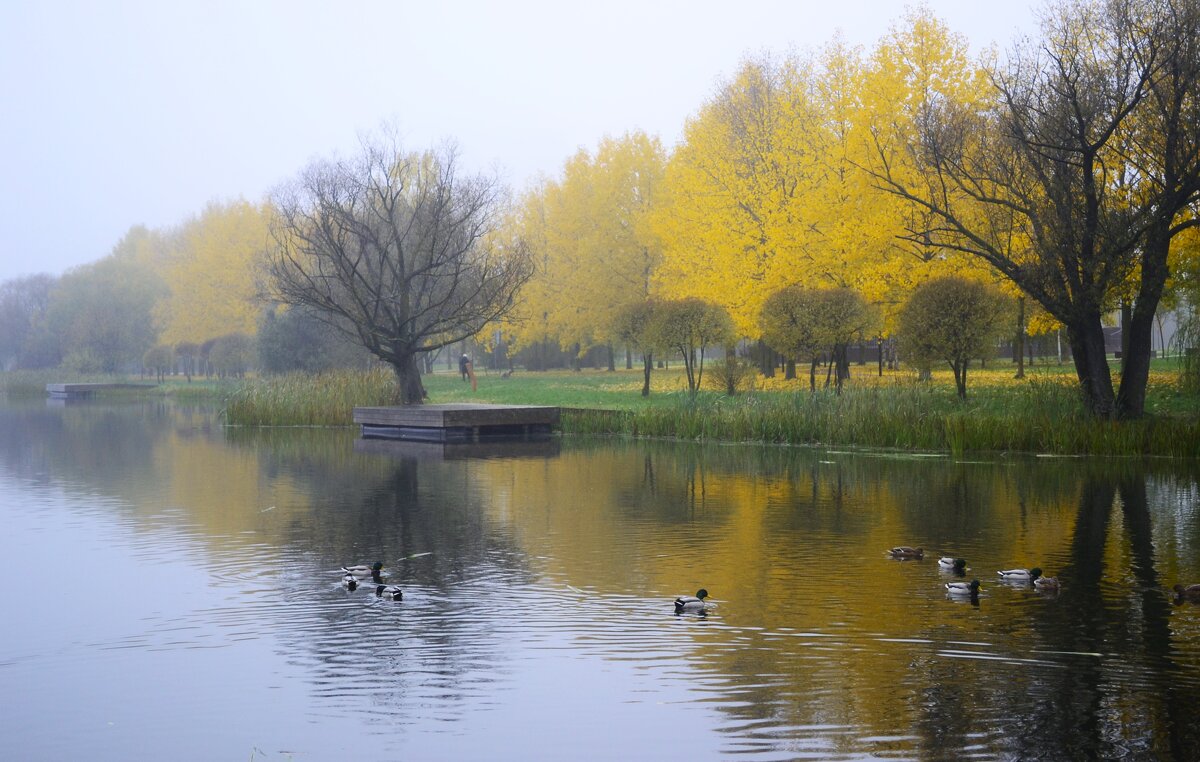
{"x":1138,"y":338}
{"x":628,"y":358}
{"x":408,"y":376}
{"x":812,"y":376}
{"x":612,"y":358}
{"x":842,"y":361}
{"x":789,"y":370}
{"x":1126,"y":319}
{"x":1019,"y":339}
{"x":1091,"y":365}
{"x":766,"y":359}
{"x":648,"y":363}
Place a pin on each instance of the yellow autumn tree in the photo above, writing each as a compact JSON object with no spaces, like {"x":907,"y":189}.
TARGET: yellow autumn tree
{"x":919,"y":65}
{"x":736,"y":214}
{"x":211,"y":273}
{"x":595,"y":253}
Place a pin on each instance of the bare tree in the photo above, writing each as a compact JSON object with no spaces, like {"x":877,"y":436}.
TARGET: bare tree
{"x":398,"y":251}
{"x":1075,"y":176}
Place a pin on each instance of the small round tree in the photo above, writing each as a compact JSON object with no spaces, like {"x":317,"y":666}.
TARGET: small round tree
{"x":689,"y":326}
{"x":803,"y":323}
{"x":634,"y":325}
{"x":788,"y":326}
{"x":954,"y":320}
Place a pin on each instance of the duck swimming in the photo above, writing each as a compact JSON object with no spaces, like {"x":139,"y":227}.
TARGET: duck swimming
{"x":1188,"y":593}
{"x":963,"y":588}
{"x":391,"y":592}
{"x":363,"y":570}
{"x":905,"y":552}
{"x":1020,"y":575}
{"x":691,"y":603}
{"x":953,"y":564}
{"x":1047,"y":584}
{"x":350,"y":582}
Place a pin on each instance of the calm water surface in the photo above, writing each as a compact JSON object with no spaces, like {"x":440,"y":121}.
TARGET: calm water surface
{"x":171,"y":591}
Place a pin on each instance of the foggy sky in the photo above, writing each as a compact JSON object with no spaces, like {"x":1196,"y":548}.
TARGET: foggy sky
{"x":124,"y":113}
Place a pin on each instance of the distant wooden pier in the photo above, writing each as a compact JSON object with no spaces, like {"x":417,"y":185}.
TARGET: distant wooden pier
{"x":79,"y":391}
{"x":458,"y":422}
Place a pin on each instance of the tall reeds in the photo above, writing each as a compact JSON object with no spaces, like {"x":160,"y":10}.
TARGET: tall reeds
{"x":303,"y":399}
{"x":1044,"y":417}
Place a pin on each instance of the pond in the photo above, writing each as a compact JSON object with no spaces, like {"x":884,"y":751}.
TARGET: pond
{"x":174,"y":591}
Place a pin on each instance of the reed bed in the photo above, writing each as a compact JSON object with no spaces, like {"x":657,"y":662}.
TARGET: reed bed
{"x":1039,"y":417}
{"x":302,"y":399}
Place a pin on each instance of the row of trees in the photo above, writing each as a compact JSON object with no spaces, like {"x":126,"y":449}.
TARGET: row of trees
{"x":1065,"y":174}
{"x":949,"y":319}
{"x":809,"y":195}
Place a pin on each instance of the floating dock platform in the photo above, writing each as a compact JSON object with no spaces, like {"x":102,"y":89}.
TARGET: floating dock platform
{"x":457,"y":422}
{"x":540,"y":447}
{"x":79,"y":391}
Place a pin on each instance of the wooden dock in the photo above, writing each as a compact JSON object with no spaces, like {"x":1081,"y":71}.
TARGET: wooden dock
{"x":79,"y":391}
{"x":540,"y":447}
{"x":458,"y":422}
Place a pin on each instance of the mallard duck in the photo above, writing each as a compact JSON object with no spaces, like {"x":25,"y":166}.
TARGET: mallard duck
{"x":1188,"y":593}
{"x":691,"y":603}
{"x":963,"y":588}
{"x":903,"y":551}
{"x":1020,"y":575}
{"x":953,"y":564}
{"x":390,"y":592}
{"x":350,"y":582}
{"x":364,"y":571}
{"x":1047,"y":584}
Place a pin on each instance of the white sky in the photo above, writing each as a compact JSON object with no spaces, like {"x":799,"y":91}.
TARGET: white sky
{"x":121,"y":113}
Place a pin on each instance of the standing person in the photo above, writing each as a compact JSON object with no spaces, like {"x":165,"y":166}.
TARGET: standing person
{"x":463,"y":362}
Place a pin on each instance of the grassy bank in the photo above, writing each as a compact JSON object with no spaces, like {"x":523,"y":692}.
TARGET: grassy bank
{"x":1042,"y":418}
{"x":1040,"y":414}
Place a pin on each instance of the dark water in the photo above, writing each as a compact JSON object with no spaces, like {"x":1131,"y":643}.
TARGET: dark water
{"x":170,"y":593}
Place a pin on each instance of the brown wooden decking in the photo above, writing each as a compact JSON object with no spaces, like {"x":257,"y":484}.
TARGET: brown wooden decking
{"x":532,"y":447}
{"x":457,"y":422}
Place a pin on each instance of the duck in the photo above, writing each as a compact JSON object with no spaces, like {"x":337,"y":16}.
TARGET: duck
{"x":350,"y":582}
{"x":1187,"y":593}
{"x":1047,"y":584}
{"x":953,"y":564}
{"x":691,"y":603}
{"x":1020,"y":575}
{"x":963,"y":588}
{"x":391,"y":592}
{"x":903,"y":551}
{"x":364,"y":571}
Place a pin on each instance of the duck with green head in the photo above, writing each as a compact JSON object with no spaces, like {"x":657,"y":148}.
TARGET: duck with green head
{"x":691,"y":602}
{"x":956,"y":565}
{"x":963,"y":589}
{"x":362,"y":570}
{"x":1020,"y":575}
